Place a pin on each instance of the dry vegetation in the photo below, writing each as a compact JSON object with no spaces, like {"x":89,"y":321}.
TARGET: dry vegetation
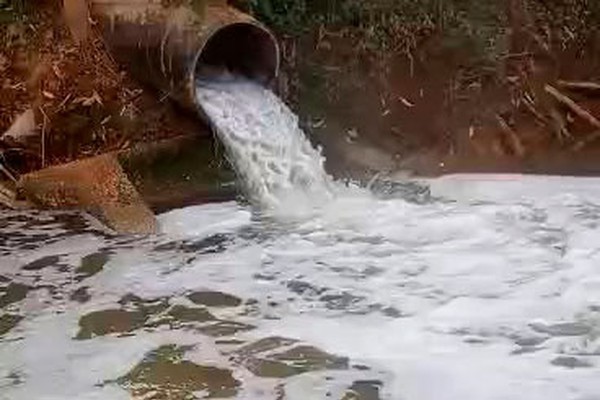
{"x":62,"y":97}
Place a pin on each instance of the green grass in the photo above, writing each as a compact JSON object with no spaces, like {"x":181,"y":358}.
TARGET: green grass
{"x":13,"y":10}
{"x":475,"y":26}
{"x":393,"y":25}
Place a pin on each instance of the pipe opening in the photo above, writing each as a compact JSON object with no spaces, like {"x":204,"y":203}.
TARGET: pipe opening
{"x":240,"y":49}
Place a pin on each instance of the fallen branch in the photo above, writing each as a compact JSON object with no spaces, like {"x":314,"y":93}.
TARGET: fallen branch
{"x":514,"y":139}
{"x":43,"y":138}
{"x":558,"y":123}
{"x":553,"y":121}
{"x":529,"y":105}
{"x":576,"y":108}
{"x":6,"y":172}
{"x":591,"y":86}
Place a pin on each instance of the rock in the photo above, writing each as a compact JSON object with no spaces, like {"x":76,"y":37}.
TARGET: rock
{"x":23,"y":127}
{"x":97,"y":185}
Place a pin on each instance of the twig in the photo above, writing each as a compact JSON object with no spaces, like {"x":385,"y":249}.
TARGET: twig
{"x":516,"y":142}
{"x":6,"y":172}
{"x":559,"y":124}
{"x":64,"y":102}
{"x":516,"y":55}
{"x":593,"y":86}
{"x":529,"y":105}
{"x":577,"y":109}
{"x":44,"y":122}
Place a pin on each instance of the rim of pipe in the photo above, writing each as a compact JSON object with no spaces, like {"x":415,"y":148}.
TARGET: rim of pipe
{"x":243,"y":48}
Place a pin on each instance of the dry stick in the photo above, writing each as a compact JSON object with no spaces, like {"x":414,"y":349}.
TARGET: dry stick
{"x":531,"y":108}
{"x":516,"y":142}
{"x":579,"y":85}
{"x":581,"y":112}
{"x":577,"y":109}
{"x":44,"y":137}
{"x":6,"y":172}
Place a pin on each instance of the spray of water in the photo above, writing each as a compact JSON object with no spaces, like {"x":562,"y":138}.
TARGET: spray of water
{"x":277,"y":164}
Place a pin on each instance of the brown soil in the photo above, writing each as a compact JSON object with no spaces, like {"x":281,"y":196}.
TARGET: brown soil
{"x":433,"y":115}
{"x":83,"y":102}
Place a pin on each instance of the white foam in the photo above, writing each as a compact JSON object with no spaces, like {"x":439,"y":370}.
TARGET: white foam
{"x":467,"y":279}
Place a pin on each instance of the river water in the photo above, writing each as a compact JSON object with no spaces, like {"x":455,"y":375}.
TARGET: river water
{"x":463,"y":287}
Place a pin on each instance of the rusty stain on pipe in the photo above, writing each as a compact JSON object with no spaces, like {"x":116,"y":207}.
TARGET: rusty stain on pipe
{"x":170,"y":45}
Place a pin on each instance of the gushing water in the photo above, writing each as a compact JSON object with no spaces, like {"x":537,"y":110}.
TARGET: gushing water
{"x":270,"y":153}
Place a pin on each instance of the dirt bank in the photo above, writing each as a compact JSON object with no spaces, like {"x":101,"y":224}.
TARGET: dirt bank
{"x":81,"y":101}
{"x":462,"y":86}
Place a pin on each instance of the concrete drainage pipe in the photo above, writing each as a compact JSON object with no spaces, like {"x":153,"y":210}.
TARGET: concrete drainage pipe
{"x":170,"y":47}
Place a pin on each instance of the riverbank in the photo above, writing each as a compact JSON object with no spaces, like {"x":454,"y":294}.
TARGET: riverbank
{"x":441,"y":87}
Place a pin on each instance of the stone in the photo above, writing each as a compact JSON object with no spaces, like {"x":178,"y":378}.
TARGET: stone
{"x":97,"y":185}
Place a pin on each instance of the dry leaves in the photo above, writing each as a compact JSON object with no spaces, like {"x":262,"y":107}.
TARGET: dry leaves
{"x":89,"y":101}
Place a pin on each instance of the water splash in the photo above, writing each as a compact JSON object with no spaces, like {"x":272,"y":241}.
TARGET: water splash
{"x":277,"y":164}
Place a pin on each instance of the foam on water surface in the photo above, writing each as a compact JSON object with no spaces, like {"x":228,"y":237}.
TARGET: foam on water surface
{"x":489,"y":290}
{"x":464,"y":299}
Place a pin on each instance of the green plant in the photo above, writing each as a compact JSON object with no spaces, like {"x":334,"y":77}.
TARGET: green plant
{"x":12,"y":10}
{"x":390,"y":25}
